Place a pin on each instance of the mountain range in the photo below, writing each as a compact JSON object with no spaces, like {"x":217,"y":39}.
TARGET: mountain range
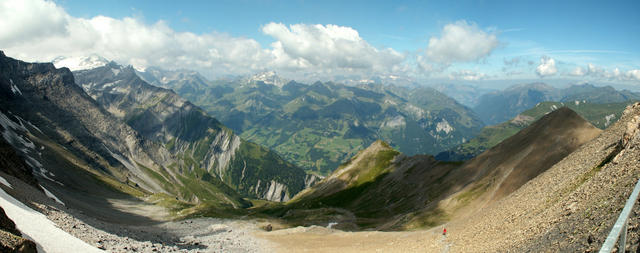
{"x":600,"y":115}
{"x":319,"y":126}
{"x":384,"y":189}
{"x":104,"y":143}
{"x":499,"y":106}
{"x":132,"y":139}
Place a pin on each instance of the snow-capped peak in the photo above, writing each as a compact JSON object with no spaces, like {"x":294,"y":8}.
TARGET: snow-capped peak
{"x":268,"y":77}
{"x":80,"y":62}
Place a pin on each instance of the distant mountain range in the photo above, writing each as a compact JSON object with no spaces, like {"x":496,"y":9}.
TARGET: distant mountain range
{"x":500,"y":106}
{"x":319,"y":126}
{"x":600,"y":115}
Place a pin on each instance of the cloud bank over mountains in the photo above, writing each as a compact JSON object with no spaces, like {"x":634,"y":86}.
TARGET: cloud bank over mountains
{"x":37,"y":30}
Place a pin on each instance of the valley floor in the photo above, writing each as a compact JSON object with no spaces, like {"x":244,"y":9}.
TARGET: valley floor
{"x":133,"y":226}
{"x":320,"y":239}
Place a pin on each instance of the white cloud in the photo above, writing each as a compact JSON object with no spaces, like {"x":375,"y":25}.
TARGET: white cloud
{"x":303,"y":46}
{"x":461,"y":42}
{"x":30,"y":20}
{"x":466,"y":75}
{"x":127,"y":41}
{"x":633,"y":74}
{"x":547,"y":67}
{"x":597,"y":72}
{"x":578,"y":71}
{"x":36,"y":30}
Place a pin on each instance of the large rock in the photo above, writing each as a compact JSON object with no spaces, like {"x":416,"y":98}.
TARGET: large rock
{"x":10,"y":240}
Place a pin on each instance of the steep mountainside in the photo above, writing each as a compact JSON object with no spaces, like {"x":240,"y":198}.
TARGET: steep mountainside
{"x":81,"y":152}
{"x":204,"y":148}
{"x":570,"y":207}
{"x":600,"y":115}
{"x":384,"y":189}
{"x":321,"y":125}
{"x":500,"y":106}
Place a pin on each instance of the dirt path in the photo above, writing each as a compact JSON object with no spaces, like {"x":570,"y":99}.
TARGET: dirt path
{"x":320,"y":239}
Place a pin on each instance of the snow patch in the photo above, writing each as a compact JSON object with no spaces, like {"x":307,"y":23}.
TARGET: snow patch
{"x":14,"y":88}
{"x":608,"y":118}
{"x":5,"y":182}
{"x":268,"y":77}
{"x":80,"y":63}
{"x":41,"y":230}
{"x":50,"y":195}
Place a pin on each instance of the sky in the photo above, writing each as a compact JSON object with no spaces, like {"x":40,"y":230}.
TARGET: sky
{"x":479,"y":42}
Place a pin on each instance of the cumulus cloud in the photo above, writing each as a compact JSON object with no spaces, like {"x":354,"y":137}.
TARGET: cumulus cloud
{"x":466,"y":75}
{"x":547,"y":67}
{"x":37,"y":30}
{"x":633,"y":74}
{"x":461,"y":42}
{"x":598,"y":72}
{"x":30,"y":20}
{"x":127,"y":41}
{"x":578,"y":71}
{"x":304,"y":46}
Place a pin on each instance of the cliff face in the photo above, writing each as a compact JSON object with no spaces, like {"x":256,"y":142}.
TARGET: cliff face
{"x":198,"y":143}
{"x":62,"y":134}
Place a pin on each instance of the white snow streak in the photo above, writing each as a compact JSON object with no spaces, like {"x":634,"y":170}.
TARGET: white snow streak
{"x":41,"y":230}
{"x":5,"y":182}
{"x":50,"y":195}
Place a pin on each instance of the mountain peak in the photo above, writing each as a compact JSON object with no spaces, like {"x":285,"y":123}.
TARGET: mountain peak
{"x":267,"y":77}
{"x":80,"y":62}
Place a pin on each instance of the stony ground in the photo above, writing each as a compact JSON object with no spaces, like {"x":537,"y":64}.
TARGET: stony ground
{"x":192,"y":235}
{"x":569,"y":208}
{"x":320,"y":239}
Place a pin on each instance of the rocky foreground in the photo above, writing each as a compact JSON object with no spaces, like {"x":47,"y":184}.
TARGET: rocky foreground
{"x":191,"y":235}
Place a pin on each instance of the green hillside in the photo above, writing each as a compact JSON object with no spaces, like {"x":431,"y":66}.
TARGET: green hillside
{"x":320,"y":126}
{"x":600,"y":115}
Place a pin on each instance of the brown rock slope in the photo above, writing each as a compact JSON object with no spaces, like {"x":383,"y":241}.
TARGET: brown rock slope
{"x":571,"y":207}
{"x":504,"y":168}
{"x":376,"y":186}
{"x":383,"y":189}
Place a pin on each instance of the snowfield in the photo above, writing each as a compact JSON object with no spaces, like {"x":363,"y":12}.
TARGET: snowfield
{"x":37,"y":227}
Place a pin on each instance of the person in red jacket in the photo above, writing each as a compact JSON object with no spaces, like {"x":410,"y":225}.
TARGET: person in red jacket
{"x":444,"y":231}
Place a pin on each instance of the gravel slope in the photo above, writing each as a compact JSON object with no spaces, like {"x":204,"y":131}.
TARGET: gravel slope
{"x":193,"y":235}
{"x":569,"y":208}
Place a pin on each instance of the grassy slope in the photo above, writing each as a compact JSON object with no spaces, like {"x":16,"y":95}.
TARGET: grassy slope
{"x":320,"y":126}
{"x":492,"y":135}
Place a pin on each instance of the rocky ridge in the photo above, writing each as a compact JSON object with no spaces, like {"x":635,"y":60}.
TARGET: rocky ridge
{"x":570,"y":207}
{"x":194,"y":139}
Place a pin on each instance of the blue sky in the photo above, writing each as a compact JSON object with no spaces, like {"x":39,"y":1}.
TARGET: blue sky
{"x":593,"y":41}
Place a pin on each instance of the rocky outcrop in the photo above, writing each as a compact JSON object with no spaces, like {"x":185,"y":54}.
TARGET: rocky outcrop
{"x":10,"y":237}
{"x":276,"y":192}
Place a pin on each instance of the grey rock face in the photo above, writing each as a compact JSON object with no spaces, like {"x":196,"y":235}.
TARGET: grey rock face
{"x":193,"y":140}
